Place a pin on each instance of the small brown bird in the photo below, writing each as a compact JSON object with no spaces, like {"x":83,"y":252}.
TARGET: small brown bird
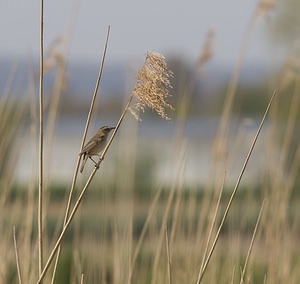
{"x":95,"y":146}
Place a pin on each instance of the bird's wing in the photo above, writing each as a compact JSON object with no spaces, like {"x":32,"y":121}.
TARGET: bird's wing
{"x":95,"y":140}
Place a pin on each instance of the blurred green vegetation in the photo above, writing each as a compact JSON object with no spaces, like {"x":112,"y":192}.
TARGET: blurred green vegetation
{"x":99,"y":217}
{"x":12,"y":114}
{"x":99,"y":199}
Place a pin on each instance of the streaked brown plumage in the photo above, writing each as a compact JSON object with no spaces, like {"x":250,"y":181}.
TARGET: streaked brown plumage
{"x":95,"y":145}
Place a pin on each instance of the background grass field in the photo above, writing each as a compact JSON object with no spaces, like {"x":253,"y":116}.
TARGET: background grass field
{"x":143,"y":218}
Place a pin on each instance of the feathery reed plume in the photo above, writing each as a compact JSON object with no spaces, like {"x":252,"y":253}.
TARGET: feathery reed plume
{"x":152,"y":86}
{"x":264,"y":6}
{"x":208,"y":48}
{"x":151,"y":89}
{"x":290,"y":70}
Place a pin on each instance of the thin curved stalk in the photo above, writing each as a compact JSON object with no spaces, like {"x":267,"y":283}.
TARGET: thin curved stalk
{"x":80,"y":197}
{"x":235,"y":189}
{"x":212,"y":226}
{"x":17,"y":257}
{"x":251,"y":243}
{"x":82,"y":143}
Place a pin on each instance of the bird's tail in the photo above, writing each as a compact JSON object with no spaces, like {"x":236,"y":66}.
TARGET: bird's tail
{"x":85,"y":158}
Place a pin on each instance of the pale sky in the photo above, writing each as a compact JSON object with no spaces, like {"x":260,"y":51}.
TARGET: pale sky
{"x":168,"y":27}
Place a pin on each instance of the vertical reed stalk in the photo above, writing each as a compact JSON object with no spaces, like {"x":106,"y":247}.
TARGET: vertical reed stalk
{"x":143,"y":233}
{"x":235,"y":77}
{"x":168,"y":257}
{"x":17,"y":257}
{"x":180,"y":166}
{"x":40,"y":201}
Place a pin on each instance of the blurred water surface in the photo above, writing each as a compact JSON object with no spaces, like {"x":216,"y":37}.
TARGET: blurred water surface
{"x":159,"y":140}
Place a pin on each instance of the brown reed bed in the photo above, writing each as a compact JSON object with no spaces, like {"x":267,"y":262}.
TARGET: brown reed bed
{"x":177,"y":233}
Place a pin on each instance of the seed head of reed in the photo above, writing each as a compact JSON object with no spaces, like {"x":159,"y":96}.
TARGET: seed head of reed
{"x":152,"y":86}
{"x":265,"y":6}
{"x":208,"y":48}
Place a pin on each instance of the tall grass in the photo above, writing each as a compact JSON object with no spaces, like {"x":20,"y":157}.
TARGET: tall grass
{"x":168,"y":233}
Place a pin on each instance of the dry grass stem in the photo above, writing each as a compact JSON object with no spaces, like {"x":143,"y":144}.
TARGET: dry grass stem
{"x":82,"y":144}
{"x":180,"y":167}
{"x":207,"y":51}
{"x":158,"y":62}
{"x":30,"y":207}
{"x":251,"y":243}
{"x":236,"y":187}
{"x":17,"y":257}
{"x":290,"y":69}
{"x":41,"y":140}
{"x":220,"y":143}
{"x":66,"y":226}
{"x":71,"y":216}
{"x":168,"y":257}
{"x":158,"y":210}
{"x":211,"y":230}
{"x":143,"y":233}
{"x":152,"y":86}
{"x":232,"y":276}
{"x":265,"y":6}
